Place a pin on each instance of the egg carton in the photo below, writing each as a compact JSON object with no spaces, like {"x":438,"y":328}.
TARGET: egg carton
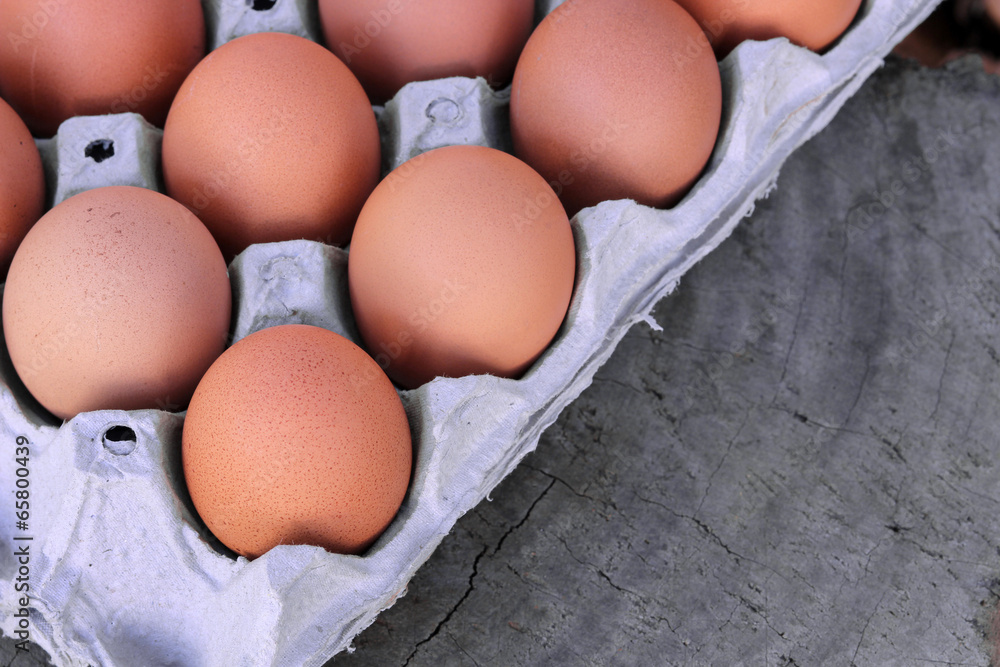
{"x":122,"y":571}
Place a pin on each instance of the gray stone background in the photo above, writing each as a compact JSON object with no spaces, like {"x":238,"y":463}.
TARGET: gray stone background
{"x":801,"y":468}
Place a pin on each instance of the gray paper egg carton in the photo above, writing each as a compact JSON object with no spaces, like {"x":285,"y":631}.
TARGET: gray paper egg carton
{"x":122,"y":570}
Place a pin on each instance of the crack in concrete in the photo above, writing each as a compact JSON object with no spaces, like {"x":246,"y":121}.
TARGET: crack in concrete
{"x":944,"y":372}
{"x":861,"y":640}
{"x":451,"y":612}
{"x":731,"y":614}
{"x":534,"y":585}
{"x":791,"y":344}
{"x":722,"y":461}
{"x":527,"y":514}
{"x":618,"y":383}
{"x":604,"y":503}
{"x":861,"y":387}
{"x":756,"y":610}
{"x":30,"y":655}
{"x":475,"y":571}
{"x":958,"y":488}
{"x":805,"y":419}
{"x":642,"y":600}
{"x":620,"y":589}
{"x":705,"y":528}
{"x":467,"y":654}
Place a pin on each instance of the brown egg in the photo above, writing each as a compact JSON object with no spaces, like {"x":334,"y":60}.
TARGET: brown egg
{"x":463,"y":262}
{"x":993,"y":11}
{"x":609,"y":102}
{"x":390,"y":44}
{"x":815,"y":24}
{"x":60,"y":59}
{"x":118,"y":298}
{"x":295,"y":436}
{"x":271,"y":138}
{"x":22,"y":184}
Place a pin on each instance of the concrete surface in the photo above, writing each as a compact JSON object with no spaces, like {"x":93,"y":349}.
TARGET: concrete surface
{"x":801,"y":468}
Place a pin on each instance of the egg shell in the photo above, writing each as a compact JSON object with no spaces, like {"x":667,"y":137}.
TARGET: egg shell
{"x":22,"y":184}
{"x":296,"y":436}
{"x":87,"y":57}
{"x":993,"y":10}
{"x":475,"y":428}
{"x":389,"y":44}
{"x":271,"y":138}
{"x":639,"y":121}
{"x":118,"y":298}
{"x":463,"y":262}
{"x":815,"y":24}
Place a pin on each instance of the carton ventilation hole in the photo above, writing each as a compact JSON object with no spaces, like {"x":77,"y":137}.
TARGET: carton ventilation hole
{"x":119,"y":440}
{"x":261,"y":5}
{"x":100,"y":150}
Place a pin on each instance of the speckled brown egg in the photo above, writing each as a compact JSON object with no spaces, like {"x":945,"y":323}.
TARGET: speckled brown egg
{"x":463,"y":262}
{"x":815,"y":24}
{"x":271,"y":138}
{"x":608,"y":102}
{"x":22,"y":184}
{"x":295,"y":436}
{"x":389,"y":44}
{"x":60,"y":59}
{"x":118,"y":298}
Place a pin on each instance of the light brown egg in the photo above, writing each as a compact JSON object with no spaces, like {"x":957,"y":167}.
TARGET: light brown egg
{"x":389,"y":44}
{"x":60,"y":59}
{"x":271,"y":138}
{"x":608,"y":102}
{"x":815,"y":24}
{"x":993,"y":11}
{"x":295,"y":436}
{"x":22,"y":184}
{"x":118,"y":298}
{"x":463,"y":262}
